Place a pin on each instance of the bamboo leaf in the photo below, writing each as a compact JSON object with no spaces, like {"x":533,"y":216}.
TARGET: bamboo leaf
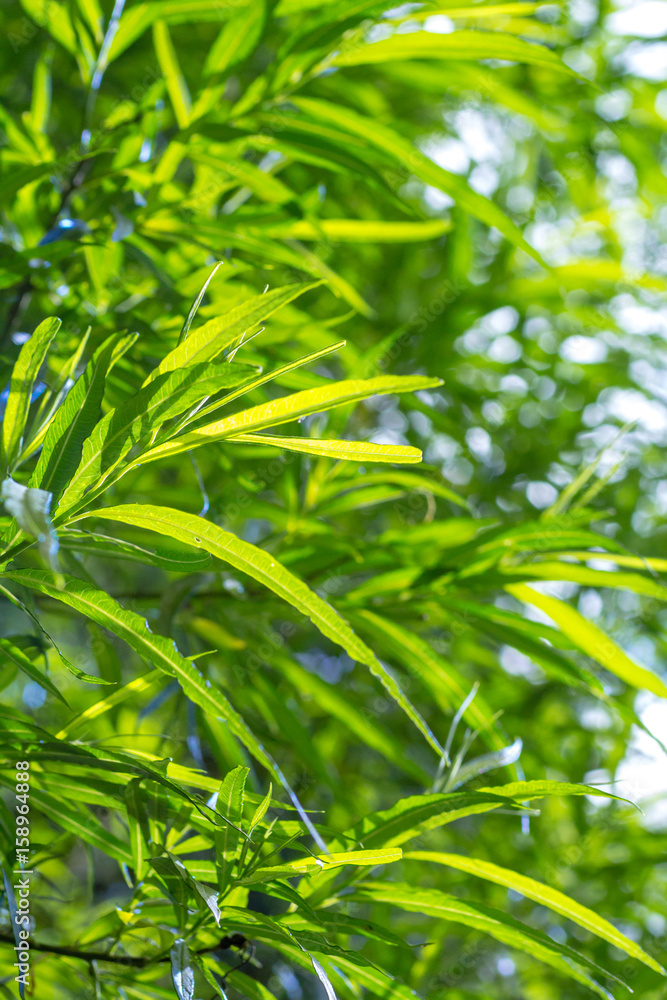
{"x":163,"y":655}
{"x":210,"y":340}
{"x":182,"y":972}
{"x":389,"y":141}
{"x":459,"y":45}
{"x":76,"y":418}
{"x":351,"y":451}
{"x":24,"y":663}
{"x":323,"y":863}
{"x":24,"y":375}
{"x":263,"y":567}
{"x":230,"y":809}
{"x":134,"y":422}
{"x":177,"y":88}
{"x":494,"y":922}
{"x":289,"y":408}
{"x":545,"y":895}
{"x":591,"y":640}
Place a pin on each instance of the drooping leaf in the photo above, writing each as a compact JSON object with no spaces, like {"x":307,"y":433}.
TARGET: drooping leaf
{"x":590,"y":639}
{"x":494,"y":922}
{"x":182,"y":972}
{"x":261,"y":566}
{"x":416,"y":163}
{"x":16,"y":655}
{"x":544,"y":894}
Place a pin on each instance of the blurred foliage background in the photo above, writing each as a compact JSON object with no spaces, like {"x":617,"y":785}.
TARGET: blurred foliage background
{"x":141,"y":143}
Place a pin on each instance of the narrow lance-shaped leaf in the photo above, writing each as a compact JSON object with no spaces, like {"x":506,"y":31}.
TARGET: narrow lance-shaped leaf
{"x":198,"y":301}
{"x":230,"y":810}
{"x":182,"y":972}
{"x":294,"y":407}
{"x":315,"y":865}
{"x":265,"y":568}
{"x":137,"y":419}
{"x":76,"y":418}
{"x":137,"y":821}
{"x":499,"y":925}
{"x":82,"y":823}
{"x":351,"y":451}
{"x":458,"y":45}
{"x":544,"y":894}
{"x":591,"y":640}
{"x":441,"y":677}
{"x":211,"y":339}
{"x":418,"y":164}
{"x":106,"y":547}
{"x":32,"y":510}
{"x":24,"y":663}
{"x":162,"y":653}
{"x":18,"y":603}
{"x":177,"y":88}
{"x":21,"y":385}
{"x":274,"y":374}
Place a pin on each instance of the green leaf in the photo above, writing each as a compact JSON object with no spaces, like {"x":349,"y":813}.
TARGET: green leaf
{"x":591,"y":640}
{"x":135,"y":422}
{"x":545,"y":895}
{"x":198,"y":300}
{"x":266,"y":569}
{"x":260,"y":811}
{"x":229,"y":808}
{"x":76,"y":418}
{"x":55,"y":18}
{"x":499,"y":925}
{"x":294,"y":407}
{"x":264,"y":185}
{"x":137,"y":821}
{"x":586,"y":577}
{"x":416,"y":814}
{"x":79,"y":674}
{"x":351,"y":451}
{"x":177,"y":88}
{"x":414,"y":162}
{"x":458,"y":44}
{"x":24,"y":374}
{"x":356,"y":230}
{"x":337,"y":704}
{"x":107,"y":547}
{"x":211,"y":339}
{"x":162,"y":654}
{"x":24,"y":663}
{"x":274,"y":374}
{"x":135,"y":687}
{"x":439,"y":676}
{"x":236,"y":40}
{"x":323,"y":863}
{"x":82,"y":823}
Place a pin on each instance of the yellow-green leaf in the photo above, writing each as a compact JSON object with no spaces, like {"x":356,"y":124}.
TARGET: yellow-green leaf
{"x":544,"y":894}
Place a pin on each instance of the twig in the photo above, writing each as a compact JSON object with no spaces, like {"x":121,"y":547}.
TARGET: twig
{"x":138,"y":962}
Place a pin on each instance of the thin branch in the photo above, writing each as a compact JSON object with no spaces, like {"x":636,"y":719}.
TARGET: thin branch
{"x":138,"y":962}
